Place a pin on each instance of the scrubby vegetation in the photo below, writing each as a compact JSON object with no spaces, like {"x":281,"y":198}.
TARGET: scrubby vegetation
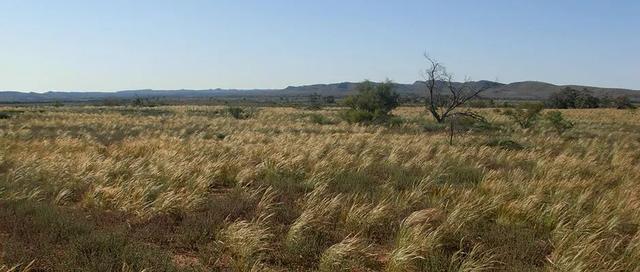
{"x":558,"y":122}
{"x":622,"y":102}
{"x":372,"y":103}
{"x":193,"y":188}
{"x":240,"y":113}
{"x":525,"y":115}
{"x":570,"y":98}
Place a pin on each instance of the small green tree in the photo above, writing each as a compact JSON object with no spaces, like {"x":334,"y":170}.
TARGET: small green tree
{"x":138,"y":102}
{"x":586,"y":100}
{"x":623,"y":102}
{"x":569,"y":98}
{"x":320,"y":119}
{"x":372,"y":103}
{"x":465,"y":121}
{"x":558,"y":122}
{"x":330,"y":99}
{"x":239,"y":113}
{"x":315,"y":102}
{"x":526,"y":115}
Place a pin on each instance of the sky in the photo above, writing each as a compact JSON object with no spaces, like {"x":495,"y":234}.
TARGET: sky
{"x":88,"y":45}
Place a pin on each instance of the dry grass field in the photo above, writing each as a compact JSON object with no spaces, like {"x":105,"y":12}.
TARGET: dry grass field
{"x":188,"y":188}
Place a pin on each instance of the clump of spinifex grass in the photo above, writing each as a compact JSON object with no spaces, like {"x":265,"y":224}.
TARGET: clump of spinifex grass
{"x":248,"y":241}
{"x":376,"y":222}
{"x":313,"y":231}
{"x":349,"y":254}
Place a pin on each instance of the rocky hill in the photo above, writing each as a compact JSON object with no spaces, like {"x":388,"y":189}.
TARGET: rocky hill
{"x":526,"y":90}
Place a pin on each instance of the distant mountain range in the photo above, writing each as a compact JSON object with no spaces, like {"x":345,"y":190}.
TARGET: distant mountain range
{"x":527,"y":90}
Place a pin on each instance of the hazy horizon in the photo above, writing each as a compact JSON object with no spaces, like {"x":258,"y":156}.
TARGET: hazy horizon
{"x":165,"y":45}
{"x":301,"y":85}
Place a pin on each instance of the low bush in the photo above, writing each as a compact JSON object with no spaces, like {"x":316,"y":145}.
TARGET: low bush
{"x":433,"y":127}
{"x":623,"y":102}
{"x":364,"y":117}
{"x":394,"y":121}
{"x":558,"y":122}
{"x":507,"y":144}
{"x":315,"y":102}
{"x":320,"y":119}
{"x":475,"y":122}
{"x":481,"y":103}
{"x":526,"y":115}
{"x":571,"y":98}
{"x":220,"y":136}
{"x":240,"y":113}
{"x":372,"y":104}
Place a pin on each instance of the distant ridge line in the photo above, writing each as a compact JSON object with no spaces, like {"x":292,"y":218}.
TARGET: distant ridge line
{"x":525,"y":90}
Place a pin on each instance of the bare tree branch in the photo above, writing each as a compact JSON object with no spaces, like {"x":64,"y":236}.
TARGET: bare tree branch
{"x":440,"y":105}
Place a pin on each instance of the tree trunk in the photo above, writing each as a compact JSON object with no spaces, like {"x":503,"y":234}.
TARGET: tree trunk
{"x":451,"y":133}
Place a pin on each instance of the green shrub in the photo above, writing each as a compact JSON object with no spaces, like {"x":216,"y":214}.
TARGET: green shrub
{"x":315,"y":102}
{"x":623,"y":102}
{"x":476,"y":122}
{"x":395,"y":121}
{"x":558,"y":122}
{"x":526,"y":115}
{"x":239,"y":113}
{"x":507,"y":144}
{"x":138,"y":102}
{"x":506,"y":105}
{"x":361,"y":116}
{"x":220,"y":136}
{"x":433,"y":127}
{"x":372,"y":103}
{"x":373,"y":97}
{"x":4,"y":115}
{"x":329,"y":99}
{"x":571,"y":98}
{"x":481,"y":103}
{"x":320,"y":119}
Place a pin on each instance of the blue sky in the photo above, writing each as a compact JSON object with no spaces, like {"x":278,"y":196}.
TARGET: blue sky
{"x":122,"y":44}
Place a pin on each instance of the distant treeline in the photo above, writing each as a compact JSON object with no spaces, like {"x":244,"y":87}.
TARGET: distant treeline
{"x":570,"y":98}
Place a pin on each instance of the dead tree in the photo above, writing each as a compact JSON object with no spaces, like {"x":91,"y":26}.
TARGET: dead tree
{"x":443,"y":95}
